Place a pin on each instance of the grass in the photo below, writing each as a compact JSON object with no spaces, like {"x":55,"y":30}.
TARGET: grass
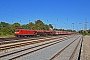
{"x":4,"y":36}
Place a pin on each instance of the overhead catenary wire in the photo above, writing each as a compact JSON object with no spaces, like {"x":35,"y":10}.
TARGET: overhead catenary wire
{"x":12,"y":8}
{"x":56,"y":20}
{"x":11,"y":16}
{"x":25,"y":13}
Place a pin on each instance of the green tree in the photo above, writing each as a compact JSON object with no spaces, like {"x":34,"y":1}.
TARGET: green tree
{"x":24,"y":26}
{"x":46,"y":27}
{"x":31,"y":25}
{"x":4,"y":28}
{"x":89,"y":31}
{"x":16,"y":25}
{"x":3,"y":24}
{"x":39,"y":25}
{"x":50,"y":25}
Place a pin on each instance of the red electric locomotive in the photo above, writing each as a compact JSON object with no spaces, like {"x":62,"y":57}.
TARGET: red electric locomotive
{"x":24,"y":32}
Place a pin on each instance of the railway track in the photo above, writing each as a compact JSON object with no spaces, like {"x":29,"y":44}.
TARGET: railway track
{"x":31,"y":49}
{"x":63,"y":54}
{"x":15,"y":39}
{"x":18,"y":39}
{"x":68,"y":53}
{"x":13,"y":45}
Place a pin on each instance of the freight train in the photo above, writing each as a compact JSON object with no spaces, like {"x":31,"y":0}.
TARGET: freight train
{"x":28,"y":33}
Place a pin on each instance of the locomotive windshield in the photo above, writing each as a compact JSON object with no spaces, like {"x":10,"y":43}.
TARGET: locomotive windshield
{"x":16,"y":30}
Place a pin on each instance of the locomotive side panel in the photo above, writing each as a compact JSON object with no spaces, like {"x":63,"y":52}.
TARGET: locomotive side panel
{"x":22,"y":32}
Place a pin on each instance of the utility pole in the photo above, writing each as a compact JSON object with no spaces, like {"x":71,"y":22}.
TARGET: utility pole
{"x":80,"y":27}
{"x":67,"y":24}
{"x":56,"y":24}
{"x":73,"y":26}
{"x":85,"y":24}
{"x":29,"y":21}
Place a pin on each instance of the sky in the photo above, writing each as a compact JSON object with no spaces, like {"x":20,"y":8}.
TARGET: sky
{"x":66,"y":14}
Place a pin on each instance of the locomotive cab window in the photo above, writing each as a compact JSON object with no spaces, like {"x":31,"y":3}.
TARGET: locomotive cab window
{"x":16,"y":30}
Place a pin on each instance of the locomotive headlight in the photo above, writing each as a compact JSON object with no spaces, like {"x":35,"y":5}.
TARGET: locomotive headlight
{"x":16,"y":32}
